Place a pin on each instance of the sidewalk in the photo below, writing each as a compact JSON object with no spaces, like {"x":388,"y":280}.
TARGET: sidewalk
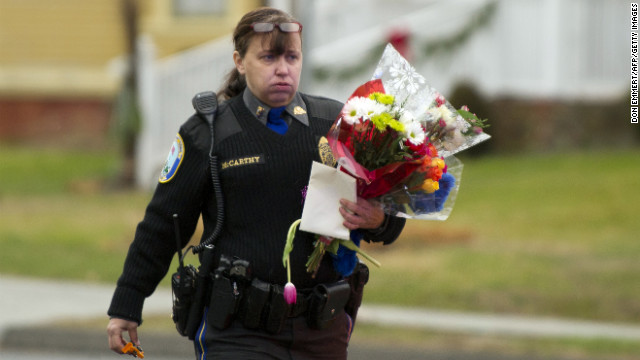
{"x":35,"y":304}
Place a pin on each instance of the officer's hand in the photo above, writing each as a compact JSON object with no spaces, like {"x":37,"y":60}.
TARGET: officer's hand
{"x":115,"y":329}
{"x":363,"y":214}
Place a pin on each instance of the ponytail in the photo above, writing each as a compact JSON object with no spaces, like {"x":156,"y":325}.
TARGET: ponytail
{"x":233,"y":85}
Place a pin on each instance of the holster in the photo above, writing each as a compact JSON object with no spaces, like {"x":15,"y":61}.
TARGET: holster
{"x":183,"y":290}
{"x":357,"y":280}
{"x":202,"y":290}
{"x":327,"y":301}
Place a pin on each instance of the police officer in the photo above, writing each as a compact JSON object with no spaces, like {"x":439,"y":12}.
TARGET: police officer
{"x":266,"y":136}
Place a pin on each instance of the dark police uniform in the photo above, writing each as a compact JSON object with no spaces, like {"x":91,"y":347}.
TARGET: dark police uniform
{"x":264,"y":177}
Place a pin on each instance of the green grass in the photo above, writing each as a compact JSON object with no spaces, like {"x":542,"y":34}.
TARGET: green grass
{"x":546,"y":234}
{"x":36,"y":171}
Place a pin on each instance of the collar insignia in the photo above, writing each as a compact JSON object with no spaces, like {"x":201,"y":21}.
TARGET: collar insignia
{"x":298,"y":110}
{"x":259,"y":111}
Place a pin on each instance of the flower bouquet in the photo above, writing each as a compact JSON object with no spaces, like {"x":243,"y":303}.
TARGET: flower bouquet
{"x":397,"y":136}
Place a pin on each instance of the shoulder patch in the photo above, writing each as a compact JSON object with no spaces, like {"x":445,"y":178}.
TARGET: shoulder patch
{"x":174,"y":159}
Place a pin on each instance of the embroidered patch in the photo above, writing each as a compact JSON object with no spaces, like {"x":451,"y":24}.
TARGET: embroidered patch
{"x":174,"y":159}
{"x":247,"y":160}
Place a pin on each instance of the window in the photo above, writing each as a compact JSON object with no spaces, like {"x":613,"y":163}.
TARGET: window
{"x":199,"y":7}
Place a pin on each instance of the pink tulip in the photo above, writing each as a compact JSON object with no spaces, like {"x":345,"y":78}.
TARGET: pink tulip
{"x":290,"y":293}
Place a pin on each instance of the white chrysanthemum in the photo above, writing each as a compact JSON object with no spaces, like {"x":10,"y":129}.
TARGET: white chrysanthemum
{"x":361,"y":109}
{"x":350,"y":112}
{"x":414,"y":132}
{"x":375,"y":108}
{"x":442,"y":112}
{"x":406,"y":117}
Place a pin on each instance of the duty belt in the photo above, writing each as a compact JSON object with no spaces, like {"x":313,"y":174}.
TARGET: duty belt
{"x":262,"y":306}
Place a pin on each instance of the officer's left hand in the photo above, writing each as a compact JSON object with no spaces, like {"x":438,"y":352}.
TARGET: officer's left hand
{"x":363,"y":214}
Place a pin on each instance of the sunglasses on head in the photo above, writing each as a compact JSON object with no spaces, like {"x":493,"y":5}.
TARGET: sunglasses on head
{"x":265,"y":27}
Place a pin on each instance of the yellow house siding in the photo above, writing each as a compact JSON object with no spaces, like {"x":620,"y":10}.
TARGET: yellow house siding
{"x":173,"y":33}
{"x":62,"y":48}
{"x":60,"y":32}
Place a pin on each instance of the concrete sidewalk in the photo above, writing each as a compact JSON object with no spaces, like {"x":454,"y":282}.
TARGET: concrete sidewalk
{"x":36,"y":304}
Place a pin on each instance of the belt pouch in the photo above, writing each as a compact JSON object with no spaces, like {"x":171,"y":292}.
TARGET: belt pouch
{"x":278,"y":310}
{"x":327,"y":302}
{"x":255,"y":298}
{"x":223,"y":303}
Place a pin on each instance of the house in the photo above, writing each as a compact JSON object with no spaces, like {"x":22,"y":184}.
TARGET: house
{"x":62,"y":62}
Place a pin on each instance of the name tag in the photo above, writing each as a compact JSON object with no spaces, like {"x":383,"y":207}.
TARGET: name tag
{"x":247,"y":160}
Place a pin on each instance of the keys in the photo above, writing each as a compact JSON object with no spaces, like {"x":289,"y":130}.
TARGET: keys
{"x":135,"y":351}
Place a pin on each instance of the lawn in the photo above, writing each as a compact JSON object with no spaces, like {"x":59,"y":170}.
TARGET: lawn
{"x":537,"y":234}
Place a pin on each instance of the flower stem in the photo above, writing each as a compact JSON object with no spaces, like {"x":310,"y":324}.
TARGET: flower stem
{"x":350,"y":245}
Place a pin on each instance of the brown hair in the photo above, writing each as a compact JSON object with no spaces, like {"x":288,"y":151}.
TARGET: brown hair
{"x":235,"y":82}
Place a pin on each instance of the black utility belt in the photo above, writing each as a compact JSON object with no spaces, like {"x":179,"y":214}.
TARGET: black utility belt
{"x":261,"y":305}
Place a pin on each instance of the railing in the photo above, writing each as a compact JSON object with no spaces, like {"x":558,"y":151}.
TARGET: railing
{"x":166,"y":89}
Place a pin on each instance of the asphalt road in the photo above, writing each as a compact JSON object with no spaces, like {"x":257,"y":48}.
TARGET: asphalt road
{"x":30,"y":308}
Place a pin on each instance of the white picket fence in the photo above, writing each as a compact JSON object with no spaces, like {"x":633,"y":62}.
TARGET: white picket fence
{"x":166,"y":88}
{"x":566,"y":49}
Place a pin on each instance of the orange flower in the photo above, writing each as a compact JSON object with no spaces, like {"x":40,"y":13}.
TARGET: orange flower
{"x":435,"y":173}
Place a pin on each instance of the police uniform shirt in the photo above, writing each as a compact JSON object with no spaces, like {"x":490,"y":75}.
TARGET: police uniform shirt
{"x":296,"y":109}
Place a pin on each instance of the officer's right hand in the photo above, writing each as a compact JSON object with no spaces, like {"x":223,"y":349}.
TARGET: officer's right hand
{"x":115,"y":329}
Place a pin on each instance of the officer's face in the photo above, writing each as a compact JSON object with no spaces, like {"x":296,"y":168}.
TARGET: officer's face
{"x":271,"y":78}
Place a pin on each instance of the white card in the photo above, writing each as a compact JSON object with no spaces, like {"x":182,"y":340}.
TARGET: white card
{"x":320,"y":215}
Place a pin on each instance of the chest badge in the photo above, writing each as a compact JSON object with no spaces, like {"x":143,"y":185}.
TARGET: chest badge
{"x":324,"y":150}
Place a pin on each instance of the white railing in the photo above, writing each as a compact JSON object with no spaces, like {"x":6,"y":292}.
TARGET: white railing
{"x":565,"y":49}
{"x":166,"y":89}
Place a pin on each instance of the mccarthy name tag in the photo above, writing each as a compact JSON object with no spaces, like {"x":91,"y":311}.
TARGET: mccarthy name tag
{"x":248,"y":160}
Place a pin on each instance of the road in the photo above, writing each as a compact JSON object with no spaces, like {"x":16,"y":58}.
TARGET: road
{"x":30,"y":308}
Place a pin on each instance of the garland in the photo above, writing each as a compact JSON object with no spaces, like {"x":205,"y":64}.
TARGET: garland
{"x":429,"y":49}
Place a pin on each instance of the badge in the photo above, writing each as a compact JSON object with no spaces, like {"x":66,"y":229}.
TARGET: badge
{"x":326,"y":155}
{"x":298,"y":110}
{"x":174,"y":159}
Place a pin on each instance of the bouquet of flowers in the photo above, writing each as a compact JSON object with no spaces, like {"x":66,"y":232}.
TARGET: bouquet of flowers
{"x":397,"y":136}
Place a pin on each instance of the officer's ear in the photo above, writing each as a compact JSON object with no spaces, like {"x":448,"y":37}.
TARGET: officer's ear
{"x":239,"y":61}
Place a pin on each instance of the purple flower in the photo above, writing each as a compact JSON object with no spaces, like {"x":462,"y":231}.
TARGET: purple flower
{"x":290,"y":293}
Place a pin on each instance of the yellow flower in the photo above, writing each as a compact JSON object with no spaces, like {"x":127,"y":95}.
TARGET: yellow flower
{"x":381,"y":121}
{"x":430,"y":186}
{"x":386,"y":99}
{"x":437,"y":162}
{"x":396,"y":125}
